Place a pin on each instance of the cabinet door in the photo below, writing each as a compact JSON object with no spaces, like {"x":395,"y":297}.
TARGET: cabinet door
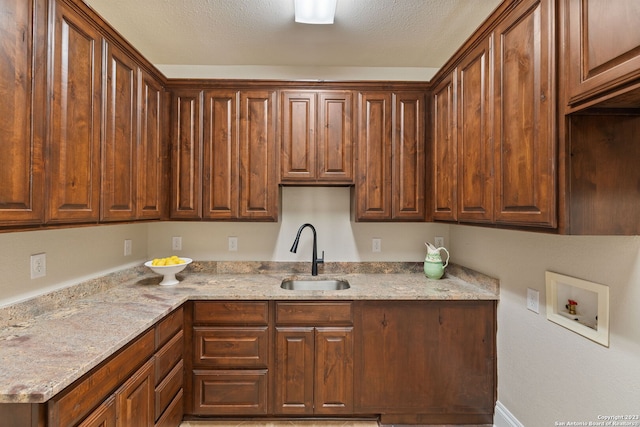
{"x":373,"y":178}
{"x":21,"y":112}
{"x":103,"y":416}
{"x":294,"y":370}
{"x":258,"y":183}
{"x":445,"y":150}
{"x":74,"y":123}
{"x":475,"y":152}
{"x":430,"y":360}
{"x":151,"y":149}
{"x":135,"y":399}
{"x":186,"y":154}
{"x":525,"y":148}
{"x":334,"y":152}
{"x":333,"y":382}
{"x":396,"y":347}
{"x":220,"y":162}
{"x":604,"y":46}
{"x":119,"y":147}
{"x":298,"y":155}
{"x":408,"y":145}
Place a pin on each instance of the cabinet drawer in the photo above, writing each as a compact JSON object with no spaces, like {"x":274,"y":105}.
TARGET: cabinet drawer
{"x":313,"y":313}
{"x":239,"y":392}
{"x":231,"y":313}
{"x":168,"y":389}
{"x":227,"y":347}
{"x":168,"y":356}
{"x":172,"y":417}
{"x":169,"y":326}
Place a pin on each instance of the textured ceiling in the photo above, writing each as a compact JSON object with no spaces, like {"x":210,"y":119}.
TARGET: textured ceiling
{"x":366,"y":33}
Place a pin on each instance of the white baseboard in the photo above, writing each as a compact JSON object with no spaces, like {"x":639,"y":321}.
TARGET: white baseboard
{"x":503,"y":418}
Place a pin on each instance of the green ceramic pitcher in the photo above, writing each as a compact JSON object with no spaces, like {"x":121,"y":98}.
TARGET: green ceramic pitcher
{"x":433,"y":266}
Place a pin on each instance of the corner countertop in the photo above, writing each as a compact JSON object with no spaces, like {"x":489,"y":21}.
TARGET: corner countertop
{"x":49,"y":342}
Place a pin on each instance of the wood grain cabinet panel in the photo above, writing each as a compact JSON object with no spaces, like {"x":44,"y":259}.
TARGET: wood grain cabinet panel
{"x":374,"y":169}
{"x":314,"y":358}
{"x":316,"y":137}
{"x":74,"y":122}
{"x":413,"y":363}
{"x":186,"y":154}
{"x":22,"y":112}
{"x":524,"y":125}
{"x":135,"y":399}
{"x":103,"y":416}
{"x":445,"y":149}
{"x":150,"y":155}
{"x":475,"y":149}
{"x":220,"y":178}
{"x":408,"y":148}
{"x":120,"y":143}
{"x":390,"y":182}
{"x":334,"y":153}
{"x":258,"y":165}
{"x":603,"y":40}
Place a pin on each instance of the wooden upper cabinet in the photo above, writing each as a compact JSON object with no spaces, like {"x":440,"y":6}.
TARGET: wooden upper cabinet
{"x":151,"y":154}
{"x":298,"y":159}
{"x":444,"y":149}
{"x":258,"y":164}
{"x":408,"y":148}
{"x":524,"y":126}
{"x":22,"y":112}
{"x":373,"y":179}
{"x":316,"y":137}
{"x":335,"y":137}
{"x":119,"y":147}
{"x":220,"y":154}
{"x":603,"y":41}
{"x":475,"y":149}
{"x":186,"y":154}
{"x":390,"y":182}
{"x":74,"y":123}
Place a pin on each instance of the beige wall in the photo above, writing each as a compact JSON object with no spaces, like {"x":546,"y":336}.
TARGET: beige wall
{"x":73,"y":255}
{"x":546,"y":373}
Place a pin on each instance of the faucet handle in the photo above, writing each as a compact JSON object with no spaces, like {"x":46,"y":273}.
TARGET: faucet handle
{"x":320,"y":260}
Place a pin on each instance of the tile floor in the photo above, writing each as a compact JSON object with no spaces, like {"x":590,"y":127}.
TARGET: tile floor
{"x":310,"y":423}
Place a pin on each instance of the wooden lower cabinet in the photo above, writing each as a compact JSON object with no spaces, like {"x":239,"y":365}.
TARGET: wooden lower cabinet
{"x":228,"y":372}
{"x":135,"y":399}
{"x":142,"y":385}
{"x":425,"y":362}
{"x":314,"y":371}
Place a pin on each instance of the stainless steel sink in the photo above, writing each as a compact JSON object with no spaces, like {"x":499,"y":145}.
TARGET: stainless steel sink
{"x":314,"y":285}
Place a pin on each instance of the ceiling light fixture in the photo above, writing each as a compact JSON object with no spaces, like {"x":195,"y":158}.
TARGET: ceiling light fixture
{"x":315,"y":11}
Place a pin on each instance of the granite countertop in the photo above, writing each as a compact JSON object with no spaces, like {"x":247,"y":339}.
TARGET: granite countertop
{"x":50,"y":341}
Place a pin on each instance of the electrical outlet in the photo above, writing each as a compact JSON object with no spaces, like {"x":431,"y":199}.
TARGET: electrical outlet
{"x":438,"y":241}
{"x":233,"y":244}
{"x":376,"y":245}
{"x":176,"y":243}
{"x":38,"y":265}
{"x":533,"y":300}
{"x":127,"y":247}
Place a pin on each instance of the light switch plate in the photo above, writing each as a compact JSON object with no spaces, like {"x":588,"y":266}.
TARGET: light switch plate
{"x":533,"y":300}
{"x":127,"y":247}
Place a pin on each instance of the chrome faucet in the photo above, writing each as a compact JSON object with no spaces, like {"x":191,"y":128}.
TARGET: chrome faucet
{"x":314,"y":260}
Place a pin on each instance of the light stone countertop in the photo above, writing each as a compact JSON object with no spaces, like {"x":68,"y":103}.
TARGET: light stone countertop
{"x":51,"y":341}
